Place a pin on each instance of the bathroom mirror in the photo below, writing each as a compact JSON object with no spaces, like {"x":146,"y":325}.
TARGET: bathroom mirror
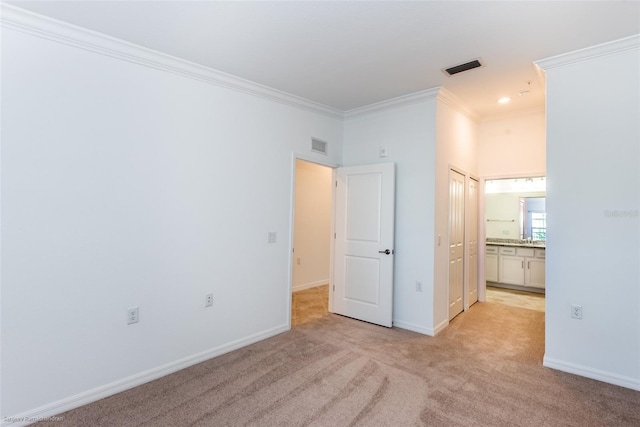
{"x":515,"y":208}
{"x":533,"y":218}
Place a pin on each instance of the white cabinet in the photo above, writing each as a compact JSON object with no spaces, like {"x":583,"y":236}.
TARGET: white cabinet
{"x":491,"y":264}
{"x":521,"y":266}
{"x":534,"y":274}
{"x":511,"y":271}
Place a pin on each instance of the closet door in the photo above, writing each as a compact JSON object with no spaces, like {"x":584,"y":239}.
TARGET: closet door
{"x":456,"y":242}
{"x":471,"y":233}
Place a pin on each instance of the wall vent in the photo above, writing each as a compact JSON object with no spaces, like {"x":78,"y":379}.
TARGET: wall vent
{"x":476,"y":63}
{"x":318,"y":146}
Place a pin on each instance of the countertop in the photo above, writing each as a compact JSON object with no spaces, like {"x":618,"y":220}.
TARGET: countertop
{"x":539,"y":244}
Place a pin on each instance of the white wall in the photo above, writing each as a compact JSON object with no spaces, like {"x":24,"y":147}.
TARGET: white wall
{"x":457,"y":147}
{"x":593,"y":164}
{"x":312,"y":225}
{"x":408,"y":132}
{"x":512,"y":146}
{"x":124,"y":185}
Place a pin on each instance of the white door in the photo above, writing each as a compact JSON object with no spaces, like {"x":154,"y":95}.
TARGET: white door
{"x":456,"y":243}
{"x":471,"y":234}
{"x":363,"y":273}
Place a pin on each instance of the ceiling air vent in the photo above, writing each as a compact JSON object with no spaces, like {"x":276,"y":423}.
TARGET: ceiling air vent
{"x":476,"y":63}
{"x":318,"y":146}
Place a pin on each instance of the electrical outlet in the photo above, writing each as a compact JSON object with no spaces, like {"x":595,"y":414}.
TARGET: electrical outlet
{"x":132,"y":315}
{"x":576,"y":312}
{"x":418,"y":286}
{"x":208,"y":300}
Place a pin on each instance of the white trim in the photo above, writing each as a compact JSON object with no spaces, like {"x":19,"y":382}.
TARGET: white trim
{"x":303,"y":286}
{"x":440,"y":327}
{"x":24,"y":21}
{"x":314,"y":158}
{"x":596,"y":374}
{"x":454,"y":102}
{"x":115,"y":387}
{"x":604,"y":49}
{"x":416,"y":328}
{"x":398,"y":101}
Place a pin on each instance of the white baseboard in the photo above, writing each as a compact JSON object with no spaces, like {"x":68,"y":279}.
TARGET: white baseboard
{"x":440,"y":326}
{"x":303,"y":286}
{"x":412,"y":327}
{"x":50,"y":410}
{"x":595,"y":374}
{"x":432,"y":332}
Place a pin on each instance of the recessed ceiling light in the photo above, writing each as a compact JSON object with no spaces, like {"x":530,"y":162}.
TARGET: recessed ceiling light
{"x":504,"y":100}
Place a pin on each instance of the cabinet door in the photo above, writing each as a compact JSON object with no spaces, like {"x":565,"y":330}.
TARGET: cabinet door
{"x":534,"y":273}
{"x":511,"y":270}
{"x":491,"y":267}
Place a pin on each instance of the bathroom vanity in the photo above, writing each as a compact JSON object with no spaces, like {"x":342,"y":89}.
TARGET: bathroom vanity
{"x":514,"y":263}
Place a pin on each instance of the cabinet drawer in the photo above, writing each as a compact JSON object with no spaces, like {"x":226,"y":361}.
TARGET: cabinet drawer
{"x":507,"y":251}
{"x":491,"y":250}
{"x":528,"y":252}
{"x":540,"y":253}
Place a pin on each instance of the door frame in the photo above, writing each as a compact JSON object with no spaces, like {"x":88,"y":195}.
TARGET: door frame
{"x":292,"y":211}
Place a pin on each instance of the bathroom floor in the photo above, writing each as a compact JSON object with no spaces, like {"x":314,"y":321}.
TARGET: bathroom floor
{"x":309,"y":305}
{"x":514,"y":298}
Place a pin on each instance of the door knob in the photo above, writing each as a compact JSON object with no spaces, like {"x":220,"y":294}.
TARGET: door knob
{"x":386,"y":251}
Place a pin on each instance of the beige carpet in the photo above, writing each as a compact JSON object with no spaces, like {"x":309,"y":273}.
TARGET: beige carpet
{"x":484,"y":370}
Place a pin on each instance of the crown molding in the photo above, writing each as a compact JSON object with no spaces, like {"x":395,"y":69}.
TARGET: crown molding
{"x":411,"y":98}
{"x":17,"y":19}
{"x":605,"y":49}
{"x":454,"y":102}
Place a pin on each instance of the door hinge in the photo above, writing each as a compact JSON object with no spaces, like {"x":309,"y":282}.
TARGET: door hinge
{"x":334,"y":235}
{"x":334,"y":287}
{"x":336,"y":184}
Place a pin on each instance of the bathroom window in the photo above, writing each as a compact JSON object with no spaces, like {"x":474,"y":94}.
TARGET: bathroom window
{"x":539,"y":225}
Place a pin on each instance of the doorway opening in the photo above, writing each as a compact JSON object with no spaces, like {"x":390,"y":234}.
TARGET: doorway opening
{"x":312,"y":231}
{"x":515,"y":251}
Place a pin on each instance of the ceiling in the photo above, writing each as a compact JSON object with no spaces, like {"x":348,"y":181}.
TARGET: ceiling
{"x":350,"y":54}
